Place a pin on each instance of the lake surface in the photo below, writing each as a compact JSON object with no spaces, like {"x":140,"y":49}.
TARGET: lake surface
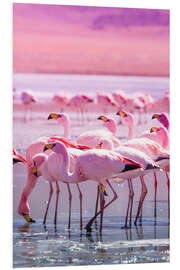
{"x":46,"y":85}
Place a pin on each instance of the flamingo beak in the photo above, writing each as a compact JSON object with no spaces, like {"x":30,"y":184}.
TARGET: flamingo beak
{"x":99,"y":145}
{"x":153,"y":129}
{"x":35,"y":172}
{"x":156,"y":115}
{"x":28,"y":218}
{"x":47,"y":147}
{"x":103,"y":118}
{"x":121,"y":113}
{"x":53,"y":116}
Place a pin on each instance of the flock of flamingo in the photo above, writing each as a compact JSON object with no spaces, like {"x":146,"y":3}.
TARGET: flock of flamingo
{"x":98,"y":155}
{"x":137,"y":103}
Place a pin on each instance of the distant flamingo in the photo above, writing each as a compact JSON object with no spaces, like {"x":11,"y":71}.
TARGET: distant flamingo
{"x":79,"y":103}
{"x":27,"y":98}
{"x":94,"y":164}
{"x":105,"y":101}
{"x":61,"y":100}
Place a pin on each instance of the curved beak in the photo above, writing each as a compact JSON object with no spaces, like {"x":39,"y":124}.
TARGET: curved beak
{"x":156,"y":115}
{"x":28,"y":218}
{"x":153,"y":129}
{"x":103,"y":118}
{"x":35,"y":172}
{"x":54,"y":116}
{"x":121,"y":113}
{"x":47,"y":147}
{"x":99,"y":146}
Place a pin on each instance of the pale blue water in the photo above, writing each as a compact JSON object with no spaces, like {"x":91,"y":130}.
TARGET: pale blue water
{"x":45,"y":85}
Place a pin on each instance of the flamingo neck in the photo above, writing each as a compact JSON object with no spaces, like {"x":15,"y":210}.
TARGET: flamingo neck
{"x":111,"y":126}
{"x":164,"y":120}
{"x":66,"y":125}
{"x":165,"y":139}
{"x":131,"y":129}
{"x":66,"y":175}
{"x":31,"y":182}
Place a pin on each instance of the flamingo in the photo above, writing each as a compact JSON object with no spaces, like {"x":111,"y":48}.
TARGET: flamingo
{"x":27,"y":98}
{"x":41,"y":166}
{"x":94,"y":164}
{"x":61,"y":100}
{"x":148,"y":164}
{"x":105,"y":101}
{"x":79,"y":102}
{"x":35,"y":148}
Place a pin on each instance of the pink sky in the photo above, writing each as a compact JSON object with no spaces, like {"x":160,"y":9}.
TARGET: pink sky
{"x":90,"y":40}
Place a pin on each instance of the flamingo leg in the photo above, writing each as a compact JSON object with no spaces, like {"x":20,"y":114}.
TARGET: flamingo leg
{"x":70,"y":202}
{"x":80,"y":198}
{"x":155,"y":195}
{"x":168,"y":184}
{"x":89,"y":224}
{"x":49,"y":200}
{"x":131,"y":196}
{"x":57,"y":198}
{"x":102,"y":209}
{"x":127,"y":212}
{"x":143,"y":195}
{"x":97,"y":200}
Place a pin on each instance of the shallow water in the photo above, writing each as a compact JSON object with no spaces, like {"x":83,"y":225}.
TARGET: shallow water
{"x":36,"y":245}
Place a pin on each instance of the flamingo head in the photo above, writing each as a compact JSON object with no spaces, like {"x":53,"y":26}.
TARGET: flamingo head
{"x":158,"y":130}
{"x":24,"y":210}
{"x":38,"y":160}
{"x":54,"y":116}
{"x":54,"y":146}
{"x":62,"y":118}
{"x":128,"y":117}
{"x":103,"y":118}
{"x":162,"y":118}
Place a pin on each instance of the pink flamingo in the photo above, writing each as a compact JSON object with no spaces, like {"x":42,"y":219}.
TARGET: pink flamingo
{"x":119,"y":97}
{"x":148,"y":164}
{"x":61,"y":100}
{"x":79,"y":102}
{"x":45,"y":165}
{"x":106,"y":101}
{"x":27,"y":98}
{"x":148,"y":103}
{"x":35,"y":148}
{"x":94,"y":165}
{"x":165,"y":102}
